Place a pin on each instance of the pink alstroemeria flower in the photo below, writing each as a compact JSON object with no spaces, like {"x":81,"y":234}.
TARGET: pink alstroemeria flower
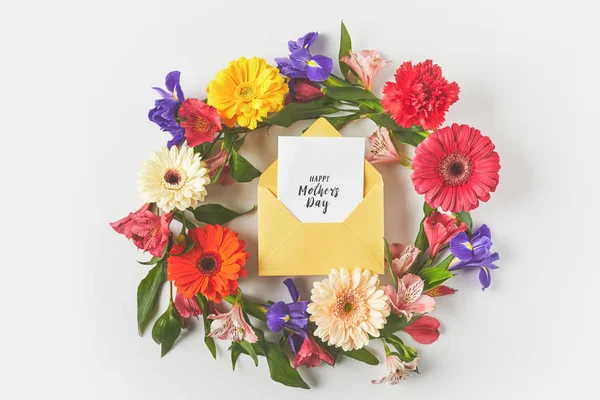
{"x":397,"y":370}
{"x":311,"y":354}
{"x":147,"y":230}
{"x":232,"y":326}
{"x":366,"y":64}
{"x":425,"y":330}
{"x":381,"y":148}
{"x":403,"y":257}
{"x":408,"y":298}
{"x":439,"y":229}
{"x":187,"y":307}
{"x":214,"y":166}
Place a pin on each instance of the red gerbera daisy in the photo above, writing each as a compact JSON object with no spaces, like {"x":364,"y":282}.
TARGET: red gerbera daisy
{"x":419,"y":96}
{"x":455,"y":168}
{"x":199,"y":120}
{"x":212,"y":267}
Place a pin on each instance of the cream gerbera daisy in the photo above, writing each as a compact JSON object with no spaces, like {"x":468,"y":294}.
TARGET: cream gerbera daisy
{"x":347,"y":308}
{"x":175,"y":178}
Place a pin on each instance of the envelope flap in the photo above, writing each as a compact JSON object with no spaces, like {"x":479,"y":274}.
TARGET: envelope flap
{"x":314,"y":248}
{"x":275,"y":221}
{"x":366,"y":221}
{"x":268,"y":179}
{"x":322,"y":128}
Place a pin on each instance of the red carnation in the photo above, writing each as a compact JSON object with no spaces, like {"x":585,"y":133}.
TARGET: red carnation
{"x":420,"y":96}
{"x":455,"y":168}
{"x":199,"y":120}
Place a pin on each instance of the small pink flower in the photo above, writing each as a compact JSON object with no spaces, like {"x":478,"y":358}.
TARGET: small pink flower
{"x":147,"y":230}
{"x":311,"y":354}
{"x":403,"y":258}
{"x":232,"y":326}
{"x":187,"y":307}
{"x":381,"y":148}
{"x":408,"y":298}
{"x":397,"y":370}
{"x":214,"y":166}
{"x":439,"y":229}
{"x":366,"y":64}
{"x":425,"y":330}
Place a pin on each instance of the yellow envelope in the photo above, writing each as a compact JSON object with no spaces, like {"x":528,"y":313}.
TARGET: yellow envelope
{"x":288,"y":247}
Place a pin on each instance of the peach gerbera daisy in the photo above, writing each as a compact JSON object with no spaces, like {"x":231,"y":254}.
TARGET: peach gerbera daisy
{"x":348,"y":307}
{"x":212,"y":267}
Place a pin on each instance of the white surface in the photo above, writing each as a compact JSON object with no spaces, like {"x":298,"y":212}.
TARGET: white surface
{"x":320,"y":179}
{"x":76,"y":80}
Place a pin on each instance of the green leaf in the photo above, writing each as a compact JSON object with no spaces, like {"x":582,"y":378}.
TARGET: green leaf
{"x":228,"y":140}
{"x":341,"y":121}
{"x":396,"y":323}
{"x":254,"y":309}
{"x":280,"y":368}
{"x":147,"y":295}
{"x":465,"y":217}
{"x":406,"y":353}
{"x":363,"y":355}
{"x":388,"y":257}
{"x":188,"y":224}
{"x":299,"y":111}
{"x":167,"y":329}
{"x":445,"y":263}
{"x":235,"y":353}
{"x":152,"y":261}
{"x":434,"y":276}
{"x":250,"y":351}
{"x":240,"y":169}
{"x":345,"y":47}
{"x":412,"y":136}
{"x":216,"y":214}
{"x":239,"y":143}
{"x":351,"y":93}
{"x":203,"y":148}
{"x":421,"y":241}
{"x":208,"y":340}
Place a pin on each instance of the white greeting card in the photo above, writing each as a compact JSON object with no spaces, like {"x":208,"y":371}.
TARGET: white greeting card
{"x":320,"y":178}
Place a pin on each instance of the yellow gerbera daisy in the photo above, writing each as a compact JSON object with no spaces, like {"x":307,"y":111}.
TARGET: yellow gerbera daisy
{"x":246,"y":91}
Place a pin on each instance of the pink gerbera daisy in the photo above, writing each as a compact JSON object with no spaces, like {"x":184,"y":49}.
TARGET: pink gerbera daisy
{"x":455,"y":168}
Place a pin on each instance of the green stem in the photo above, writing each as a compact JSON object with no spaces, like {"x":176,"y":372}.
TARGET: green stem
{"x":212,"y":145}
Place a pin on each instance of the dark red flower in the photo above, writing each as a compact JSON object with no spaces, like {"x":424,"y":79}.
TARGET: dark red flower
{"x":199,"y":120}
{"x":419,"y":96}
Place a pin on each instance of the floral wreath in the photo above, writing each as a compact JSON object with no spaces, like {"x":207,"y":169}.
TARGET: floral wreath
{"x":454,"y":167}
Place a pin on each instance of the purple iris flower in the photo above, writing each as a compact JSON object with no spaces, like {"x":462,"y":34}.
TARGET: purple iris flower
{"x":302,"y":64}
{"x":475,"y":253}
{"x":304,"y":42}
{"x":288,"y":315}
{"x":163,"y":113}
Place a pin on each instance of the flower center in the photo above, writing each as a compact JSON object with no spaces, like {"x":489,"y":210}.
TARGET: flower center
{"x":173,"y":178}
{"x":201,"y":125}
{"x":350,"y":308}
{"x":455,"y":169}
{"x":209,"y":263}
{"x":247,"y":91}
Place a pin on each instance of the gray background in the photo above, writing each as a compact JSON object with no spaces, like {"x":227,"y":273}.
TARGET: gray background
{"x":76,"y":80}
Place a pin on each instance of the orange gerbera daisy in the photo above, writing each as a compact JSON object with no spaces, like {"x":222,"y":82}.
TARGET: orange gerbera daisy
{"x":212,"y":267}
